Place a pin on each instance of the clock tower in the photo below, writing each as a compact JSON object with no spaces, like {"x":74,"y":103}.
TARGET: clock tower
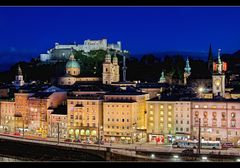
{"x":218,"y":77}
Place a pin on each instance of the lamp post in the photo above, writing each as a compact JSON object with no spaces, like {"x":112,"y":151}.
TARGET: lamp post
{"x":200,"y":90}
{"x":199,"y":136}
{"x":99,"y":134}
{"x":58,"y":132}
{"x":23,"y":127}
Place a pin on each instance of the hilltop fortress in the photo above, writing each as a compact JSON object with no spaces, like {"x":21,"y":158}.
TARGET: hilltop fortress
{"x":63,"y":51}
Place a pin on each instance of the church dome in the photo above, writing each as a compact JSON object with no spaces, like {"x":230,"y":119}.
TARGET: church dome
{"x":72,"y":63}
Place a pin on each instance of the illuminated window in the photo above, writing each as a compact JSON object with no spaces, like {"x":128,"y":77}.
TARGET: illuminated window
{"x":205,"y":106}
{"x":151,"y":112}
{"x":151,"y":118}
{"x":233,"y":115}
{"x":161,"y":118}
{"x":169,"y":107}
{"x":151,"y":106}
{"x":169,"y":119}
{"x":151,"y":124}
{"x":161,"y":124}
{"x":169,"y":125}
{"x":214,"y":107}
{"x":161,"y":106}
{"x":169,"y":113}
{"x":196,"y":106}
{"x":161,"y":112}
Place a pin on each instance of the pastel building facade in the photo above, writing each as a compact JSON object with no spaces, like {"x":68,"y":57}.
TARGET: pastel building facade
{"x":84,"y":117}
{"x":218,"y":120}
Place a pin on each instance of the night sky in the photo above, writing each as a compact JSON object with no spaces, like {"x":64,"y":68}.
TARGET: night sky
{"x":141,"y":30}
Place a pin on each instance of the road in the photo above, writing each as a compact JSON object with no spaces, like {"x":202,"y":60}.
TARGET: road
{"x":126,"y":149}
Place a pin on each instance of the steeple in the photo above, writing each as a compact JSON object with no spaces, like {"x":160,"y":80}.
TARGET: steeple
{"x":219,"y":58}
{"x":108,"y":57}
{"x":162,"y":78}
{"x":115,"y":59}
{"x":210,"y":59}
{"x":19,"y":70}
{"x":187,"y":67}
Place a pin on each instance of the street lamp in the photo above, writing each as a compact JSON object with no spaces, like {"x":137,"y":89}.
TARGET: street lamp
{"x":200,"y":90}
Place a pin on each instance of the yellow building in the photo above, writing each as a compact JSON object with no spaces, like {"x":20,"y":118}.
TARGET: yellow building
{"x":125,"y":116}
{"x":84,"y":115}
{"x":160,"y":117}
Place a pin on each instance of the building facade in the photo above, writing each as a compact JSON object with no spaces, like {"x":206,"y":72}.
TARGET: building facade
{"x":84,"y":117}
{"x":218,"y":120}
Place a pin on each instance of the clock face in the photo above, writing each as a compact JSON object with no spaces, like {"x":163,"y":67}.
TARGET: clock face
{"x":217,"y":82}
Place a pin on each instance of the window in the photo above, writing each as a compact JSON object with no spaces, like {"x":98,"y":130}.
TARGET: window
{"x":151,"y":106}
{"x":187,"y":122}
{"x":93,"y":118}
{"x":122,"y":120}
{"x":176,"y":128}
{"x":176,"y":121}
{"x":93,"y":103}
{"x":233,"y":115}
{"x":112,"y":127}
{"x":117,"y":127}
{"x":169,"y":107}
{"x":187,"y":129}
{"x":181,"y":121}
{"x":205,"y":106}
{"x":127,"y":127}
{"x":71,"y":116}
{"x":113,"y":120}
{"x":151,"y":112}
{"x":161,"y":118}
{"x":169,"y":125}
{"x":169,"y":119}
{"x":108,"y":119}
{"x":117,"y":119}
{"x":161,"y":106}
{"x":123,"y":127}
{"x":87,"y":124}
{"x":181,"y":129}
{"x":151,"y":118}
{"x":127,"y":120}
{"x":76,"y":117}
{"x":80,"y":117}
{"x":94,"y":125}
{"x":196,"y":106}
{"x":161,"y":112}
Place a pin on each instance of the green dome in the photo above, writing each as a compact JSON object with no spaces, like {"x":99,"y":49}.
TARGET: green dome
{"x":72,"y":64}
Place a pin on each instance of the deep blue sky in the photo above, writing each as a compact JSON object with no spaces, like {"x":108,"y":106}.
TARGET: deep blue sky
{"x":141,"y":29}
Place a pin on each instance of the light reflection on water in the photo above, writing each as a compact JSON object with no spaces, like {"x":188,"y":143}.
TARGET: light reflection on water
{"x":6,"y":159}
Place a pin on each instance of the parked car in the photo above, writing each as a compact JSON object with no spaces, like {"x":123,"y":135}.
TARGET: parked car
{"x":67,"y":140}
{"x":227,"y":145}
{"x":187,"y":152}
{"x":77,"y":140}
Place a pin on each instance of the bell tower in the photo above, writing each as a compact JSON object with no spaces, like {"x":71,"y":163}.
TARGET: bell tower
{"x":218,"y":77}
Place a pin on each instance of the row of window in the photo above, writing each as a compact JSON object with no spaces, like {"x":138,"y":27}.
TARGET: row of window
{"x":181,"y":122}
{"x":214,"y":114}
{"x":80,"y":117}
{"x":117,"y":127}
{"x":213,"y":107}
{"x":118,"y":106}
{"x":81,"y":124}
{"x":88,"y":103}
{"x":118,"y":113}
{"x":181,"y":129}
{"x":161,"y":107}
{"x":161,"y":125}
{"x":117,"y":120}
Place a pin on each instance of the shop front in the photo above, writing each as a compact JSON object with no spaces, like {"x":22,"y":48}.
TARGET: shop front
{"x":83,"y":134}
{"x":156,"y":138}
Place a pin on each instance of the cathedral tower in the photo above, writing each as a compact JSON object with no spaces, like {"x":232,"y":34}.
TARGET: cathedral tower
{"x":19,"y":77}
{"x":187,"y":72}
{"x":218,"y":77}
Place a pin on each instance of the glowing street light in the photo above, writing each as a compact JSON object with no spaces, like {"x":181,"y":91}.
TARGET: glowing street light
{"x":200,"y":90}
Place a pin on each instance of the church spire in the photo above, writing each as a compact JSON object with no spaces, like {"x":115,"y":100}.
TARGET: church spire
{"x":187,"y":67}
{"x":162,"y":78}
{"x":19,"y":70}
{"x":219,"y":58}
